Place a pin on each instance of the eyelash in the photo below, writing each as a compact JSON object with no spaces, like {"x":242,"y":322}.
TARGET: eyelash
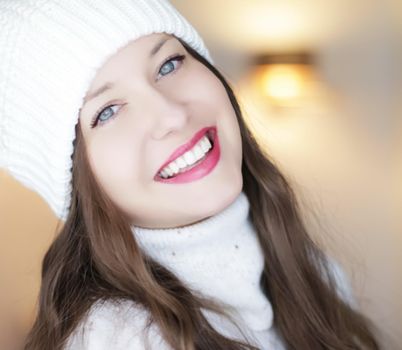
{"x":95,"y":120}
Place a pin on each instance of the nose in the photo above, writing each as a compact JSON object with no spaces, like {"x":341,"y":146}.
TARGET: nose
{"x":170,"y":115}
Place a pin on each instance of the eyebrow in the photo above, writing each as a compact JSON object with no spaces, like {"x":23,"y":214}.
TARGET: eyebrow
{"x":159,"y":45}
{"x":99,"y":91}
{"x":109,"y":85}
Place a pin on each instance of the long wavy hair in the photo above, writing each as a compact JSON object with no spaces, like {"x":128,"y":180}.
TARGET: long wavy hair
{"x":95,"y":258}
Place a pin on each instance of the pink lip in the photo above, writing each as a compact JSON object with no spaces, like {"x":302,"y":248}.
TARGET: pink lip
{"x":201,"y":169}
{"x":185,"y":147}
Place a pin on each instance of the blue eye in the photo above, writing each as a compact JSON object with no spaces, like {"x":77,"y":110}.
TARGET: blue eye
{"x":103,"y":116}
{"x":169,"y":66}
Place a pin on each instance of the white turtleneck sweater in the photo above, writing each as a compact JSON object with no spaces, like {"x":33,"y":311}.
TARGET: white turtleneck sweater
{"x":219,"y":257}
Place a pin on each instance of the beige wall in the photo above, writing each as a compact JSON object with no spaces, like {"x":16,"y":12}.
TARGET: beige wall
{"x":26,"y":229}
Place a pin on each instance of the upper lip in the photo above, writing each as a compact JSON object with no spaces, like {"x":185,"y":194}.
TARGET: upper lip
{"x":186,"y":146}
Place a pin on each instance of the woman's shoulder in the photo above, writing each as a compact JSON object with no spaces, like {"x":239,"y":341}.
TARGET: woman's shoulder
{"x":115,"y":325}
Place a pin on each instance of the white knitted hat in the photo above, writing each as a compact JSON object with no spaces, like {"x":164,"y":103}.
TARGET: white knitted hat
{"x":50,"y":52}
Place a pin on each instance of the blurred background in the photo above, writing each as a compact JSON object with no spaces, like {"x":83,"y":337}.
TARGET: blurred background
{"x":320,"y":83}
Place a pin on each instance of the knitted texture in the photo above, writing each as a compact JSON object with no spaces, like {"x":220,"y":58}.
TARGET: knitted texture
{"x":50,"y":53}
{"x":219,"y":256}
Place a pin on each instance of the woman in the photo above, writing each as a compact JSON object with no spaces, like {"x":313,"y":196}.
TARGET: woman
{"x":178,"y":231}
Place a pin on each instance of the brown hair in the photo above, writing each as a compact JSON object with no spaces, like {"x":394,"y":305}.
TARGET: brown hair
{"x":95,"y":258}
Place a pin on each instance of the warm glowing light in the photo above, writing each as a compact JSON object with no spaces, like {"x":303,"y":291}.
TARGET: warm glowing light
{"x":283,"y":83}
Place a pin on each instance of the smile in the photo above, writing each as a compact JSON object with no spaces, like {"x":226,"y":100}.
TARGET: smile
{"x":193,"y":160}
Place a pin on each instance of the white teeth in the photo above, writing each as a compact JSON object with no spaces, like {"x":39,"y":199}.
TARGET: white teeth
{"x":188,"y":158}
{"x":164,"y":174}
{"x":181,"y":162}
{"x":175,"y":168}
{"x":169,"y":171}
{"x":198,"y":152}
{"x":206,"y":144}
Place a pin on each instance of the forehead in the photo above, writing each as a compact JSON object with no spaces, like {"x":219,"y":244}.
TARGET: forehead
{"x":145,"y":44}
{"x":142,"y":50}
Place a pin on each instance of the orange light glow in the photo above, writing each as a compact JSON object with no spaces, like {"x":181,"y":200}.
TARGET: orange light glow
{"x":282,"y":83}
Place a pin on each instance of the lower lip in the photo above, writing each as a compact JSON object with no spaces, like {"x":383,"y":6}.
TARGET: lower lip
{"x":200,"y":170}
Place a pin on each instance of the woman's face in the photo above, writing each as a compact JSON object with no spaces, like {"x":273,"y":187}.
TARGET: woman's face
{"x":152,"y":107}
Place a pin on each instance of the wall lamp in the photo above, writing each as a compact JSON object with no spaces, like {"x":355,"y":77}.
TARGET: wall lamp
{"x":283,"y":78}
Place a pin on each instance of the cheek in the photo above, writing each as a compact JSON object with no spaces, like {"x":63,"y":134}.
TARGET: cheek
{"x":226,"y":118}
{"x":113,"y":162}
{"x":212,"y":93}
{"x":208,"y":87}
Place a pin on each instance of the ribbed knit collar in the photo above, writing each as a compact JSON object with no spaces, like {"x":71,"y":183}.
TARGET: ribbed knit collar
{"x":219,"y":256}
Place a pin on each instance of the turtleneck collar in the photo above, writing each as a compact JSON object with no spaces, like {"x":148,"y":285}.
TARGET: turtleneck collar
{"x":219,"y":256}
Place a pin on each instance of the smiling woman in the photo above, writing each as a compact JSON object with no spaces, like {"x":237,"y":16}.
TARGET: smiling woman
{"x":156,"y":127}
{"x":176,"y":224}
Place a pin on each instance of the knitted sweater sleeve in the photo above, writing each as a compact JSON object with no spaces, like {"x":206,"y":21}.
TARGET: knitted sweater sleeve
{"x":112,"y":326}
